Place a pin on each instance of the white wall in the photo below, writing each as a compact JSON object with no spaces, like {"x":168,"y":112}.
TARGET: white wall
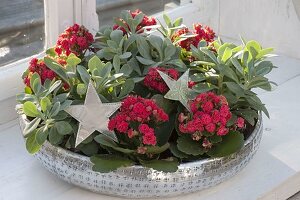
{"x":274,"y":23}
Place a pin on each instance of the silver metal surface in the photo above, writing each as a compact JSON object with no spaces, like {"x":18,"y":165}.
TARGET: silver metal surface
{"x":140,"y":182}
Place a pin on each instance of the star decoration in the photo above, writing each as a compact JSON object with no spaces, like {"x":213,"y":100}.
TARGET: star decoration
{"x":179,"y":89}
{"x":92,"y":115}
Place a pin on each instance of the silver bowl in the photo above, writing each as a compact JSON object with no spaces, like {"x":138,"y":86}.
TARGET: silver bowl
{"x":140,"y":182}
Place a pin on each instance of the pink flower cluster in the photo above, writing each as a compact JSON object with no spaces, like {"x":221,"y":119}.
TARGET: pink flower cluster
{"x":76,"y":39}
{"x":139,"y":111}
{"x":202,"y":33}
{"x":147,"y":21}
{"x":210,"y":113}
{"x":154,"y":81}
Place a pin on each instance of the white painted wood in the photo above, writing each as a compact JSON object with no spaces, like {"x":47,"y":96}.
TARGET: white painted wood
{"x":61,"y":14}
{"x":22,"y":177}
{"x":284,"y":190}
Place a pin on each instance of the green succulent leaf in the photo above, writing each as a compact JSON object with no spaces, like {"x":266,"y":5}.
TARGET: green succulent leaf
{"x":63,"y":127}
{"x":175,"y":151}
{"x":231,"y":143}
{"x":30,"y":109}
{"x":104,"y":140}
{"x":105,"y":163}
{"x":32,"y":145}
{"x":157,"y":149}
{"x":45,"y":104}
{"x":189,"y":146}
{"x":57,"y":68}
{"x":31,"y":126}
{"x":54,"y":137}
{"x":166,"y":165}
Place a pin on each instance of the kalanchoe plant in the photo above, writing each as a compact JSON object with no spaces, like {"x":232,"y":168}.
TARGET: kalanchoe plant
{"x":127,"y":63}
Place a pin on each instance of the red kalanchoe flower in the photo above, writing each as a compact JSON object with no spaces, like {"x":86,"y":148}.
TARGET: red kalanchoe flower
{"x":209,"y":117}
{"x":137,"y":110}
{"x":147,"y":21}
{"x":200,"y":32}
{"x":76,"y":39}
{"x":240,"y":122}
{"x":39,"y":67}
{"x":154,"y":81}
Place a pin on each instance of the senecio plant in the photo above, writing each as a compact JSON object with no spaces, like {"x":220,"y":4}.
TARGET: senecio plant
{"x":125,"y":63}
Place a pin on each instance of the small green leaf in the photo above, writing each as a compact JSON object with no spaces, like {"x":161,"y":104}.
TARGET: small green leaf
{"x":127,"y":87}
{"x":89,"y":149}
{"x":37,"y":85}
{"x":126,"y":69}
{"x":104,"y":140}
{"x":175,"y":151}
{"x":95,"y":63}
{"x":157,"y":149}
{"x":81,"y":89}
{"x":41,"y":135}
{"x":116,"y":63}
{"x":84,"y":75}
{"x":105,"y":163}
{"x":226,"y":55}
{"x":30,"y":109}
{"x":57,"y":68}
{"x":45,"y":104}
{"x":145,"y":61}
{"x":209,"y":53}
{"x":31,"y":144}
{"x":231,"y":143}
{"x":166,"y":165}
{"x":55,"y":109}
{"x":73,"y":60}
{"x":31,"y":126}
{"x":63,"y":128}
{"x":54,"y":137}
{"x":189,"y":146}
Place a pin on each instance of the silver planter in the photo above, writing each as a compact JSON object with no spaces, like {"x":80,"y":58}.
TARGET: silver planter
{"x":140,"y":182}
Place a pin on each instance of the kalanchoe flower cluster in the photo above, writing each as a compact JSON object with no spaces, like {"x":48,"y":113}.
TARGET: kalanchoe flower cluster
{"x":147,"y":21}
{"x":76,"y":39}
{"x":36,"y":66}
{"x":144,"y":113}
{"x":210,"y":114}
{"x":200,"y":32}
{"x":154,"y":81}
{"x":39,"y":67}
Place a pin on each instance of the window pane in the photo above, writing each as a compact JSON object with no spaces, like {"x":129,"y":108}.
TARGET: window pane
{"x":21,"y":29}
{"x":108,"y":10}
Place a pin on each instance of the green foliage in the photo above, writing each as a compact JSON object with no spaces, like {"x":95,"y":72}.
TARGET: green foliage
{"x":117,"y":66}
{"x":32,"y":145}
{"x":165,"y":165}
{"x":189,"y":146}
{"x":231,"y":143}
{"x":105,"y":163}
{"x":234,"y":71}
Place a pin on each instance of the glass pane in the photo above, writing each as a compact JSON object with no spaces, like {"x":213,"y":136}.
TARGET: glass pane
{"x":108,"y":10}
{"x":21,"y":29}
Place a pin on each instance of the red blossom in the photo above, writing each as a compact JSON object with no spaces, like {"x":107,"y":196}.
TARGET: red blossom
{"x":154,"y":81}
{"x":200,"y":32}
{"x":76,"y":39}
{"x":209,"y":115}
{"x":240,"y":122}
{"x":140,"y":111}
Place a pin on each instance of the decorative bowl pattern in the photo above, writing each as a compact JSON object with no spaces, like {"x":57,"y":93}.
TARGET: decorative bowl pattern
{"x":140,"y":182}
